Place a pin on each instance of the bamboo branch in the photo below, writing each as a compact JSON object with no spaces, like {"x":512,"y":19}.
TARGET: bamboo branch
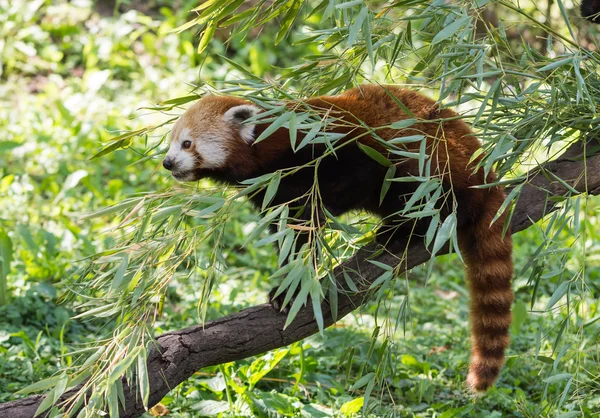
{"x":255,"y":330}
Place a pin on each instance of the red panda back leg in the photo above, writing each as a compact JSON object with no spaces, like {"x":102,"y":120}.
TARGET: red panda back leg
{"x":488,"y":259}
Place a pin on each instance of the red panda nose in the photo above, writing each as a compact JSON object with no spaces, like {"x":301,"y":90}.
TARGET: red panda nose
{"x":168,"y":164}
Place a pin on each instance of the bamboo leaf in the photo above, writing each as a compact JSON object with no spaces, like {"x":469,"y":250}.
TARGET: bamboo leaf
{"x":350,"y":282}
{"x":45,"y":404}
{"x":381,"y":265}
{"x":385,"y":187}
{"x":383,"y":278}
{"x":209,"y":31}
{"x":271,"y":238}
{"x":271,"y":190}
{"x":120,"y":273}
{"x":121,"y":367}
{"x":356,"y":26}
{"x":424,"y":188}
{"x":513,"y":195}
{"x":206,"y":4}
{"x":6,"y":257}
{"x":407,"y":154}
{"x":375,"y":155}
{"x":309,"y":136}
{"x":315,"y":296}
{"x":556,"y":64}
{"x":451,"y":29}
{"x":288,"y":20}
{"x":179,"y":100}
{"x":286,"y":247}
{"x":362,"y":381}
{"x":142,"y":375}
{"x":443,"y":235}
{"x":299,"y":301}
{"x":431,"y":230}
{"x":422,"y":214}
{"x":349,"y":4}
{"x":278,"y":123}
{"x":404,"y":123}
{"x":112,"y":399}
{"x":239,"y":16}
{"x":339,"y":225}
{"x":560,"y":291}
{"x":229,"y":9}
{"x":407,"y":139}
{"x":40,"y":386}
{"x":293,"y":130}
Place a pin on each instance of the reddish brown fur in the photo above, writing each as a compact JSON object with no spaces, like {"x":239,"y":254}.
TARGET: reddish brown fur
{"x":353,"y":181}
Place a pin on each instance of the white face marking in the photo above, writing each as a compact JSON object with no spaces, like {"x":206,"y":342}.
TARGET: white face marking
{"x":237,"y":115}
{"x":182,"y":159}
{"x":213,"y":153}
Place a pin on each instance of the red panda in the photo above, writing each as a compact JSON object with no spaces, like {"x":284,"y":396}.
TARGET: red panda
{"x":211,"y":140}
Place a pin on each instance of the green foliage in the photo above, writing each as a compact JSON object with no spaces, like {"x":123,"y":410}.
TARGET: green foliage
{"x":79,"y":180}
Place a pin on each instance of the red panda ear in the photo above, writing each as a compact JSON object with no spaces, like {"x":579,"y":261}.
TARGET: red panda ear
{"x":237,"y":115}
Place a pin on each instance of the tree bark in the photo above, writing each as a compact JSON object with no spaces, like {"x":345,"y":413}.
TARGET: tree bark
{"x":179,"y":354}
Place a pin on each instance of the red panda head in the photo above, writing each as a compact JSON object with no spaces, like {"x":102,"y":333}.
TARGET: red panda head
{"x":211,"y":138}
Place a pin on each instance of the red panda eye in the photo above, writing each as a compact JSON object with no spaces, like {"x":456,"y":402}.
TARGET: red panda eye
{"x":186,"y":144}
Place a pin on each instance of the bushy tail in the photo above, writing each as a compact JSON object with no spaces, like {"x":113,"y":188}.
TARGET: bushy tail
{"x":489,"y":272}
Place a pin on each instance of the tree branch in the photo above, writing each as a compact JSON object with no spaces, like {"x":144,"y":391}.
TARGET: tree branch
{"x":255,"y":330}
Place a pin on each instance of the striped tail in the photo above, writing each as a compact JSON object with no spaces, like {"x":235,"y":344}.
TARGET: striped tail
{"x":489,"y":272}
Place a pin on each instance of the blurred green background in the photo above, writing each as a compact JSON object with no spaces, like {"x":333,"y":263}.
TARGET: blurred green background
{"x":75,"y":74}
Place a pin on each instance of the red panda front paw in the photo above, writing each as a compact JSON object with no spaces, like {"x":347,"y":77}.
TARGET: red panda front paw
{"x":278,"y":301}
